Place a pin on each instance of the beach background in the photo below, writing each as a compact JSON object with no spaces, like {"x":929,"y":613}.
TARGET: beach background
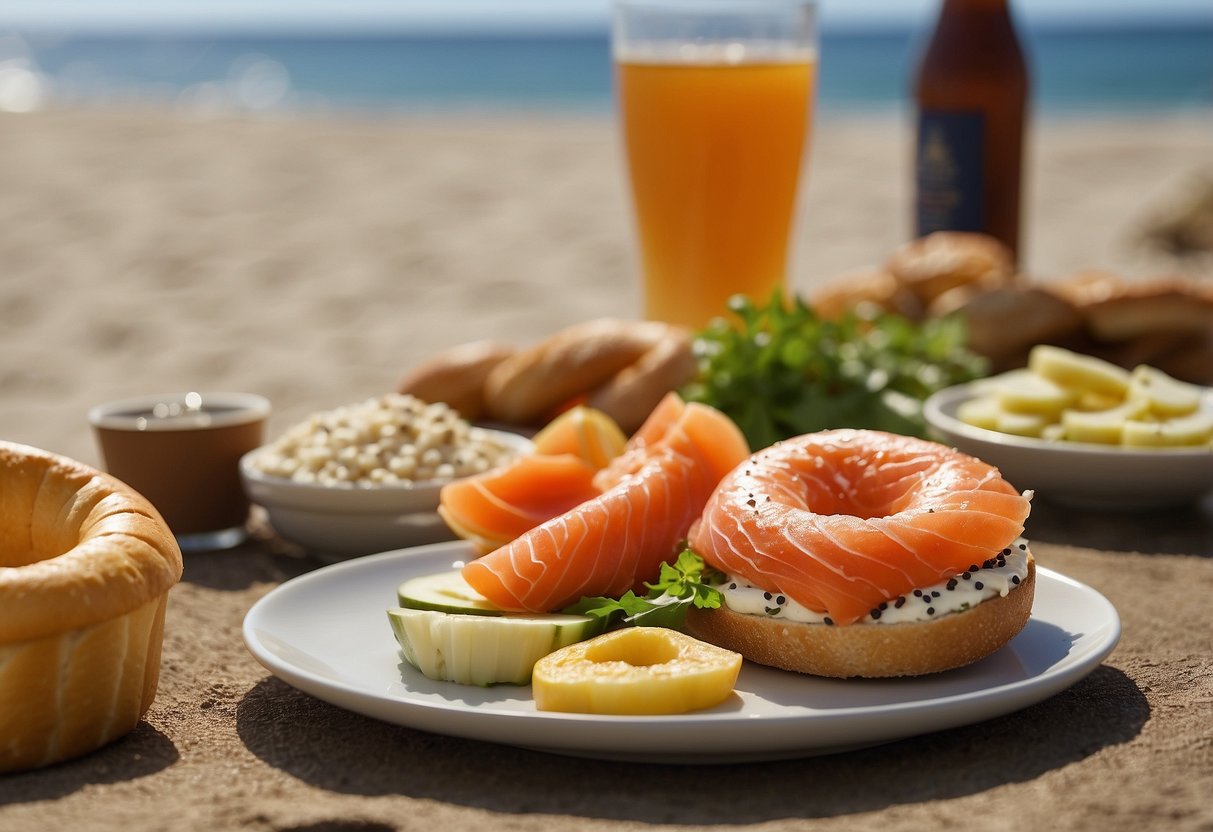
{"x":305,"y":208}
{"x":304,"y":205}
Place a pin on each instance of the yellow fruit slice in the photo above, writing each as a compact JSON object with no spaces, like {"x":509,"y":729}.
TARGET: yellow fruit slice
{"x":1033,"y":394}
{"x":982,"y":412}
{"x":1182,"y":431}
{"x":1105,"y":427}
{"x":1165,"y":396}
{"x":1053,"y":432}
{"x":1021,"y":424}
{"x":584,"y":432}
{"x":1091,"y":401}
{"x":1078,"y":372}
{"x":636,"y":670}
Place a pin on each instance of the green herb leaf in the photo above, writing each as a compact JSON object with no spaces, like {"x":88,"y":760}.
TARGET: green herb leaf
{"x":779,"y":371}
{"x":681,"y":585}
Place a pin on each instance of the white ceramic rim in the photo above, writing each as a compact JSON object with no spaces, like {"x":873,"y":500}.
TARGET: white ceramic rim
{"x":246,"y":408}
{"x":519,"y":443}
{"x":781,"y":714}
{"x":939,"y":408}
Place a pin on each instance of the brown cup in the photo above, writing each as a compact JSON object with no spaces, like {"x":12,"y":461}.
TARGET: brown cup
{"x":182,"y":452}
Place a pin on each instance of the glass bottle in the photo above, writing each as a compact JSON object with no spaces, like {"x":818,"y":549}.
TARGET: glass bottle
{"x":971,"y":94}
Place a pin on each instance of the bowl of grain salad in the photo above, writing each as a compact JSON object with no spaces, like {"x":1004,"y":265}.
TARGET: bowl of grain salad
{"x":366,"y":477}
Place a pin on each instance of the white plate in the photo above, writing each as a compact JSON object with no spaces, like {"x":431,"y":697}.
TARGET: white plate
{"x":1079,"y":473}
{"x":327,"y":634}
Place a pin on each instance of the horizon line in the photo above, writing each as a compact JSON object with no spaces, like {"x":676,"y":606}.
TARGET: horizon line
{"x":396,"y":25}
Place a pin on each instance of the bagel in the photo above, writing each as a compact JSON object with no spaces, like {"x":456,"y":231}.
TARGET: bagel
{"x":577,"y":361}
{"x":871,"y":650}
{"x":834,"y":528}
{"x":86,"y":564}
{"x":457,"y":376}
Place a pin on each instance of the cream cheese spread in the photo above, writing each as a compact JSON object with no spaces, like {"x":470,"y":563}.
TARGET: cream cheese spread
{"x":996,"y":576}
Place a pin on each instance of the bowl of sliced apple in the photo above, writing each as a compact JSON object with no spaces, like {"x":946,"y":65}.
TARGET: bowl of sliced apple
{"x":1081,"y":431}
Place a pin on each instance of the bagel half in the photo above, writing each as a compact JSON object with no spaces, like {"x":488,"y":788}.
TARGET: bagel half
{"x":86,"y":564}
{"x":871,"y":650}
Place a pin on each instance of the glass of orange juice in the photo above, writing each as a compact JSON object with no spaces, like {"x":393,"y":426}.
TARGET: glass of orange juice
{"x":715,"y":100}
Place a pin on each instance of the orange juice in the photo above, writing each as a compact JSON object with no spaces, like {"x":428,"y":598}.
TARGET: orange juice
{"x":714,"y":150}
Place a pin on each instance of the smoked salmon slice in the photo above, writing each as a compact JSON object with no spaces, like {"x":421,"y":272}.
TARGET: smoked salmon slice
{"x":493,"y":508}
{"x":842,"y":521}
{"x":618,"y":539}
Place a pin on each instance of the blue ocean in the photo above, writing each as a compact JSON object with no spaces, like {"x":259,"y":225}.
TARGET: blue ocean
{"x":1158,"y":68}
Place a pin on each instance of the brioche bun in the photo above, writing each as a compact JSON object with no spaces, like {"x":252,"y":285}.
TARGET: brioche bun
{"x":85,"y":569}
{"x":871,"y":650}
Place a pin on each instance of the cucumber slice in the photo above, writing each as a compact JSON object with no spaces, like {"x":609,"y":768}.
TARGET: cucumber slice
{"x":444,"y":592}
{"x":484,"y":649}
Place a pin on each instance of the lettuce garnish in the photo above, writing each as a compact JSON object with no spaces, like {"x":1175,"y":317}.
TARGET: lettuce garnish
{"x":780,"y":371}
{"x":683,"y":584}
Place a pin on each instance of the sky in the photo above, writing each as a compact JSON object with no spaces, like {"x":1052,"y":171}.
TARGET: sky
{"x":122,"y":14}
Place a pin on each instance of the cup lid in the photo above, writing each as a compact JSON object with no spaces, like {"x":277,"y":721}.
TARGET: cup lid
{"x":179,"y":411}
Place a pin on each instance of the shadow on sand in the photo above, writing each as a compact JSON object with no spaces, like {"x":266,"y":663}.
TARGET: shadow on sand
{"x":343,"y":752}
{"x":142,"y":752}
{"x":1177,"y":531}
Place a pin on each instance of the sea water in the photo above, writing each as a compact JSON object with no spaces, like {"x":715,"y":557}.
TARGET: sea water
{"x":1156,"y":68}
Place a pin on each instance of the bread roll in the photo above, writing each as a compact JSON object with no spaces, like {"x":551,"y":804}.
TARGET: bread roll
{"x":1005,"y":323}
{"x":576,"y":362}
{"x":931,"y":265}
{"x":457,"y":376}
{"x":85,"y":569}
{"x":1189,"y":360}
{"x":1164,"y":305}
{"x":634,"y":392}
{"x":876,"y":286}
{"x":1166,"y":322}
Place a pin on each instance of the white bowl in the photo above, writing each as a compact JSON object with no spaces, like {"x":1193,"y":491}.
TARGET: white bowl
{"x":1078,"y":473}
{"x":346,"y":521}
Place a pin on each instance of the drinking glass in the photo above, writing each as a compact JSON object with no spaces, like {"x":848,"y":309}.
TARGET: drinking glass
{"x":715,"y":101}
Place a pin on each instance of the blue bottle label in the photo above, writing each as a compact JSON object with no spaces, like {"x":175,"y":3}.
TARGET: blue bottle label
{"x":951,"y":146}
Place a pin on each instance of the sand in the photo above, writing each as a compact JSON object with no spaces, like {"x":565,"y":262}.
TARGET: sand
{"x":312,"y":261}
